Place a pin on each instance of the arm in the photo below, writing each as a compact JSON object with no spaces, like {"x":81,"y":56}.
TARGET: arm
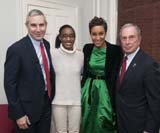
{"x":11,"y":73}
{"x":152,"y":84}
{"x":86,"y":53}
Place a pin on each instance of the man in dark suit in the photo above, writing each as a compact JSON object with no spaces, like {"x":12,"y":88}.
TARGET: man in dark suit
{"x":29,"y":78}
{"x":138,"y":93}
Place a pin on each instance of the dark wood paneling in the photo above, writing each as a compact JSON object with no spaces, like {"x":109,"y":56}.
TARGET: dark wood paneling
{"x":146,"y":14}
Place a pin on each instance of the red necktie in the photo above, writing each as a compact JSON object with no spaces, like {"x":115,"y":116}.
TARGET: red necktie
{"x":46,"y":69}
{"x":123,"y":69}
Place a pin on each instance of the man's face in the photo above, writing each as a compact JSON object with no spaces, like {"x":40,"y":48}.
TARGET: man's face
{"x":37,"y":27}
{"x":130,"y":40}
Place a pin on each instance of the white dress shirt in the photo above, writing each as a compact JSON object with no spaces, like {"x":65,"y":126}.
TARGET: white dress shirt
{"x":36,"y":45}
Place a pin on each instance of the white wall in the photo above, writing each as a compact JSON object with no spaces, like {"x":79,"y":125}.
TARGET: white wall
{"x":87,"y":13}
{"x":108,"y":10}
{"x":8,"y":32}
{"x":102,"y":8}
{"x":10,"y":26}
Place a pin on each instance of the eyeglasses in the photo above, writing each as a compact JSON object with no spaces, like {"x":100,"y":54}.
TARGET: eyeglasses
{"x":65,"y":36}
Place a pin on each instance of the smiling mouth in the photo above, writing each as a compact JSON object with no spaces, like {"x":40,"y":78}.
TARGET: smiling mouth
{"x":98,"y":43}
{"x":38,"y":35}
{"x":127,"y":48}
{"x":69,"y":43}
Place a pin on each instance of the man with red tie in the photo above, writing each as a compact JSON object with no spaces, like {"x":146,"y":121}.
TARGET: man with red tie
{"x":138,"y":91}
{"x":29,"y":78}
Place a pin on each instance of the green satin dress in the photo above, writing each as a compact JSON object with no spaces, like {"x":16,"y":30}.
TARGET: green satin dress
{"x":97,"y":115}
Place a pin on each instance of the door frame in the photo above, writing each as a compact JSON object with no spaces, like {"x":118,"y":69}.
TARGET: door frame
{"x":22,"y":10}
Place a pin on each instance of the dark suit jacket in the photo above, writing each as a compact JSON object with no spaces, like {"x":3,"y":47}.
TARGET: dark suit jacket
{"x":23,"y":80}
{"x":138,"y":97}
{"x":113,"y":59}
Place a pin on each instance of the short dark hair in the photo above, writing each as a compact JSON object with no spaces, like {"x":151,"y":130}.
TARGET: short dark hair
{"x":97,"y":21}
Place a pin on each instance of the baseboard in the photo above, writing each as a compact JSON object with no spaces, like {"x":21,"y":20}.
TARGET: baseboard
{"x":6,"y":125}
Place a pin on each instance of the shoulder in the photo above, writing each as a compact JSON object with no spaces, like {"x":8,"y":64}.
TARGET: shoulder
{"x":150,"y":66}
{"x":88,"y":45}
{"x":145,"y":60}
{"x":145,"y":57}
{"x":87,"y":48}
{"x":55,"y":52}
{"x":114,"y":49}
{"x":79,"y":53}
{"x":18,"y":45}
{"x":46,"y":43}
{"x":113,"y":46}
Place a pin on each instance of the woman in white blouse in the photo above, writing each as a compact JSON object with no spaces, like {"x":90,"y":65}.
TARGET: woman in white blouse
{"x":67,"y":62}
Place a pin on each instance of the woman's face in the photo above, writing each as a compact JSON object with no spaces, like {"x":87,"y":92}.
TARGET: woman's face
{"x":98,"y":35}
{"x":67,"y":38}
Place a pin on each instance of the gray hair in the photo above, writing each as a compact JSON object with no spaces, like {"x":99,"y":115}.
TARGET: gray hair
{"x":130,"y":25}
{"x":34,"y":12}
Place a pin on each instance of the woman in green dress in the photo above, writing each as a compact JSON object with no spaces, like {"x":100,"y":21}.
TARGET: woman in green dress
{"x":101,"y":66}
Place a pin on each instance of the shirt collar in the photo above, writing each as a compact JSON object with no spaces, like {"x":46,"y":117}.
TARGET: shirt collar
{"x":131,"y":56}
{"x":34,"y":42}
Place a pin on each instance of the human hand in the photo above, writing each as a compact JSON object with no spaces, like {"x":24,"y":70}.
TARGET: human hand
{"x":23,"y":122}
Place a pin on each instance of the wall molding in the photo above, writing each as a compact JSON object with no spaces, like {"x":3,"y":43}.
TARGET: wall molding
{"x":107,"y":10}
{"x":96,"y":8}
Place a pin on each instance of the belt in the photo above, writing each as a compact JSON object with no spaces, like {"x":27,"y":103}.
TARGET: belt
{"x":92,"y":76}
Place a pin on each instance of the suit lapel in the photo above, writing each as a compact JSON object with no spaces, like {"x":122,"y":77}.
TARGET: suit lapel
{"x":31,"y":51}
